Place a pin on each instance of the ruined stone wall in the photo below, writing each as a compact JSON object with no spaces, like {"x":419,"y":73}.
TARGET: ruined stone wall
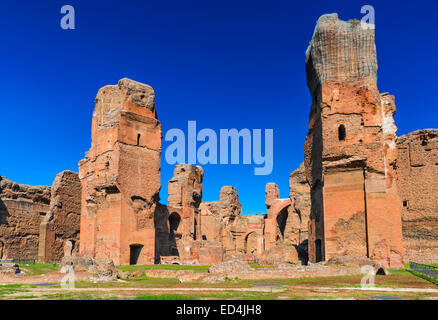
{"x":284,"y":235}
{"x":279,"y":226}
{"x":181,"y":227}
{"x":350,"y":149}
{"x":184,"y":216}
{"x":271,"y":238}
{"x":120,"y":175}
{"x":59,"y":228}
{"x":220,"y":219}
{"x":417,"y":179}
{"x":251,"y":242}
{"x":299,"y":194}
{"x":22,"y":208}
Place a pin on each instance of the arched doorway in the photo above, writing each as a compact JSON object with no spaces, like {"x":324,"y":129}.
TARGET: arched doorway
{"x":174,"y":221}
{"x":69,"y":246}
{"x":251,"y":243}
{"x":134,"y":253}
{"x":281,"y":223}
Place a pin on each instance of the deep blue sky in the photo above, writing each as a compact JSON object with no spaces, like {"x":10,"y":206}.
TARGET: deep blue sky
{"x":225,"y":64}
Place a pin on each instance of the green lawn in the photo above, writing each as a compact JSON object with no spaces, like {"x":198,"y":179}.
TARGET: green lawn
{"x":195,"y":268}
{"x":7,"y":289}
{"x":256,"y":265}
{"x":210,"y":296}
{"x":38,"y":268}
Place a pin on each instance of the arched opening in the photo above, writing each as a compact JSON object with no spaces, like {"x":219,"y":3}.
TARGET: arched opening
{"x":134,"y":253}
{"x":73,"y":244}
{"x":138,"y":139}
{"x":251,"y":243}
{"x":281,"y":222}
{"x":381,"y":272}
{"x":341,"y":133}
{"x":69,"y":246}
{"x":174,"y":221}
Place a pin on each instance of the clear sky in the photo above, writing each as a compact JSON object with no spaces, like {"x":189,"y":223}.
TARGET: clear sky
{"x":226,"y":64}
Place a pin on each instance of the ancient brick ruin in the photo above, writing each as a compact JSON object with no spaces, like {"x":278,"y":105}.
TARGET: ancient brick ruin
{"x":417,"y":179}
{"x":361,"y":191}
{"x":22,"y":209}
{"x":120,"y":176}
{"x":59,"y":228}
{"x":39,"y":223}
{"x":350,"y":150}
{"x":122,"y":219}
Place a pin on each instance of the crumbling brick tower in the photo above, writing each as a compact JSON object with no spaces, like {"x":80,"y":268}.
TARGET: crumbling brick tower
{"x":120,"y":176}
{"x":185,"y":196}
{"x":350,"y":148}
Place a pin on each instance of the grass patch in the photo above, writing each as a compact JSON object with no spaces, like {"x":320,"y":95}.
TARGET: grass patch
{"x":423,"y":276}
{"x":256,"y":265}
{"x":39,"y":268}
{"x":399,"y":278}
{"x":138,"y":282}
{"x":355,"y":295}
{"x":195,"y":268}
{"x":8,"y":289}
{"x":77,"y":296}
{"x":153,"y":280}
{"x":12,"y":285}
{"x":25,"y":297}
{"x":398,"y":272}
{"x":164,"y":297}
{"x":210,"y":296}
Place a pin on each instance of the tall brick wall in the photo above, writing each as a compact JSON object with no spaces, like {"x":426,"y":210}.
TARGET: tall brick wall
{"x":350,"y":149}
{"x":299,"y":194}
{"x":59,"y":229}
{"x":120,"y":175}
{"x":22,"y":208}
{"x":36,"y":221}
{"x":417,"y":178}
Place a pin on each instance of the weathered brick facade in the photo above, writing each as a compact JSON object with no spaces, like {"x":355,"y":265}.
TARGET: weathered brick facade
{"x":350,"y":149}
{"x":37,"y":222}
{"x":59,"y":228}
{"x":417,"y":179}
{"x":120,"y":176}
